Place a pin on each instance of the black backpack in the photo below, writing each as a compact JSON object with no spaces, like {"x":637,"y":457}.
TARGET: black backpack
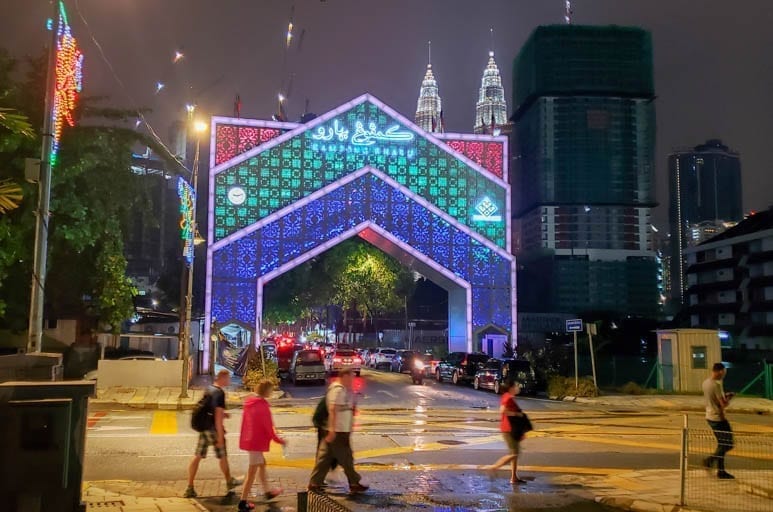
{"x":319,"y":418}
{"x":203,"y":416}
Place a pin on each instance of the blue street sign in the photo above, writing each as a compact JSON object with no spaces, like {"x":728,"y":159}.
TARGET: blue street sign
{"x":574,"y":325}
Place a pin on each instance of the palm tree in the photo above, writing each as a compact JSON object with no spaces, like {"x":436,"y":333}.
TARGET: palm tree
{"x":17,"y":124}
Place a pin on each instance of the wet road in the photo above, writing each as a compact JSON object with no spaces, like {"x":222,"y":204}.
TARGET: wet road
{"x":432,"y":429}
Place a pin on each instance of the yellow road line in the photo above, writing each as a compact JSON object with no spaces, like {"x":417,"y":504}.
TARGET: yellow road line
{"x":164,"y":423}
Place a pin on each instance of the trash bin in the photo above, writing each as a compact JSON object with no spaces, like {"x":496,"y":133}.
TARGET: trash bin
{"x":43,"y":430}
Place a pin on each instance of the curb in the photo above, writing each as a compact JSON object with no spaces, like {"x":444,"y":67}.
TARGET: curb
{"x":178,"y":405}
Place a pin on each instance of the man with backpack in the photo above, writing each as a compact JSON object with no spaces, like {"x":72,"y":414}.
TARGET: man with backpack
{"x":337,"y":442}
{"x":208,"y":420}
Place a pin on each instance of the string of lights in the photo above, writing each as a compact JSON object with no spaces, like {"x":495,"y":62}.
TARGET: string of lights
{"x":68,"y":80}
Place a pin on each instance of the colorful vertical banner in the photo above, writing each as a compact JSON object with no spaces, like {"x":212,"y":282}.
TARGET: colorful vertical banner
{"x":187,"y":222}
{"x":68,"y":80}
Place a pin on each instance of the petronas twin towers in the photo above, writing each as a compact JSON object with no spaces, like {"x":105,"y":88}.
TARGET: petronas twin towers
{"x":490,"y":110}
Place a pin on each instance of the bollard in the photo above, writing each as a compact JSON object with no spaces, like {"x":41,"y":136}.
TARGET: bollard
{"x":303,"y":501}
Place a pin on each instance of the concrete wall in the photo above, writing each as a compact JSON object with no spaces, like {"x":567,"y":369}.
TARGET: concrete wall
{"x":66,"y":331}
{"x":139,"y":373}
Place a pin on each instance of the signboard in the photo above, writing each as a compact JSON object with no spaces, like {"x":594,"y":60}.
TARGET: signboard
{"x":187,"y":222}
{"x":574,"y":325}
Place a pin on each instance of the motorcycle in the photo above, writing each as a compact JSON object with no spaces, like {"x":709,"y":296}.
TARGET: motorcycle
{"x":417,"y":371}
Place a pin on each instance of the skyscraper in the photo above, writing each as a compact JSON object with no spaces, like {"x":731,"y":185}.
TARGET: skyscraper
{"x":583,"y":170}
{"x":491,"y":109}
{"x":704,"y":196}
{"x":429,"y":107}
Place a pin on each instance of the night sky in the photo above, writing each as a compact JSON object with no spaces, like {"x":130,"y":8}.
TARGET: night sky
{"x":713,"y":67}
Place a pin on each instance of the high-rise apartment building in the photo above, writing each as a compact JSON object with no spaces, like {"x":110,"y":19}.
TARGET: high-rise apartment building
{"x":704,"y":199}
{"x":583,"y":170}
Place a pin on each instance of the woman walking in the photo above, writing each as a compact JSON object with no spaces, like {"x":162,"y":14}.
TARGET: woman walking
{"x":509,"y":409}
{"x":256,"y":436}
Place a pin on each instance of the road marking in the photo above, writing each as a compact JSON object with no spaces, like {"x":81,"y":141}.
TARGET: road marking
{"x":391,"y":395}
{"x":164,"y":423}
{"x":94,"y":418}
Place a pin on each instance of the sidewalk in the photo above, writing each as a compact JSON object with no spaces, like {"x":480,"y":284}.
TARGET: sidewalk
{"x":169,"y":397}
{"x":470,"y":489}
{"x":748,"y":405}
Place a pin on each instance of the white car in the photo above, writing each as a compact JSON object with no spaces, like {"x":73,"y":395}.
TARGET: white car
{"x":382,"y":357}
{"x":343,"y":358}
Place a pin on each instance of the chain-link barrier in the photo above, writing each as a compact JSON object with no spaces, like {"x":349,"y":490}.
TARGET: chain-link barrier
{"x":728,"y":471}
{"x":318,"y":502}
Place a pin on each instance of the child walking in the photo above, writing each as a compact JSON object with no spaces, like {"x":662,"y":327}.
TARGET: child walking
{"x":256,"y":436}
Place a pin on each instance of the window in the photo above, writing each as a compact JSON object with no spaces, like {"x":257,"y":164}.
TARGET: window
{"x":699,"y":358}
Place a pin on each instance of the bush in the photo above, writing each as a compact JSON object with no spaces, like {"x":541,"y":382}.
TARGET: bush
{"x":560,"y":387}
{"x":254,"y":372}
{"x":632,"y":388}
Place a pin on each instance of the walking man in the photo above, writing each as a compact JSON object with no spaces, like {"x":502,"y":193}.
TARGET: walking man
{"x":214,"y":436}
{"x":336,"y":446}
{"x":716,"y":401}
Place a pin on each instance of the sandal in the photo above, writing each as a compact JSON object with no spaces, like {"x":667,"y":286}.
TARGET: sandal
{"x":518,"y":481}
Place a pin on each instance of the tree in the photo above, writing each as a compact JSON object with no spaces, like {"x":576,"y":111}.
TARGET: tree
{"x":93,"y":197}
{"x":351,"y":274}
{"x":370,"y":280}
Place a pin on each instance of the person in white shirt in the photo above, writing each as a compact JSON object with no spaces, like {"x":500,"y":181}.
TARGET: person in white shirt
{"x":716,"y":401}
{"x":337,"y":443}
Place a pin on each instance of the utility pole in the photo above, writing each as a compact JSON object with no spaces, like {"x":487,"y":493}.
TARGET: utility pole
{"x":37,"y":296}
{"x":187,"y":273}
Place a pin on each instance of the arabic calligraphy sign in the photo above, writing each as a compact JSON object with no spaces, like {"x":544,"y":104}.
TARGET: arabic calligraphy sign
{"x":340,"y":138}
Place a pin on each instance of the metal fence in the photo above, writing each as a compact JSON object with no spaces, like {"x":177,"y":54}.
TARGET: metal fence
{"x":750,"y":461}
{"x":317,"y":502}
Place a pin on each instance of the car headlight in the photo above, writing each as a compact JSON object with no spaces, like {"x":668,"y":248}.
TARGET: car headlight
{"x":418,"y":364}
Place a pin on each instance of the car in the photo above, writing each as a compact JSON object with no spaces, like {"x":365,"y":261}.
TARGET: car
{"x":496,"y":371}
{"x":345,"y":358}
{"x":403,"y":360}
{"x":382,"y":357}
{"x":307,"y":365}
{"x":460,"y":367}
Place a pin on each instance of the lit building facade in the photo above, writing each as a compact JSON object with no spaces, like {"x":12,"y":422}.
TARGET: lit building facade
{"x":729,"y":282}
{"x":429,"y":106}
{"x":491,"y":108}
{"x":704,"y":196}
{"x":583,"y":163}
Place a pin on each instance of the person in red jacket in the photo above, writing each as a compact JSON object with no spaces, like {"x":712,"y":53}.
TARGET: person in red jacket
{"x":256,"y":436}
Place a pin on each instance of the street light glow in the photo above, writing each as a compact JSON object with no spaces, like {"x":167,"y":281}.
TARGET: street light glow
{"x":200,"y":126}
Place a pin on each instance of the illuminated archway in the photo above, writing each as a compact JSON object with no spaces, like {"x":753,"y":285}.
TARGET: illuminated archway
{"x":360,"y":170}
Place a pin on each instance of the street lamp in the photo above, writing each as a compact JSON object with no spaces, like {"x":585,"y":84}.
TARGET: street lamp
{"x":199,"y":128}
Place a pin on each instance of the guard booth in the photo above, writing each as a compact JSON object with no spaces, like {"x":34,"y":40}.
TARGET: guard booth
{"x":43,"y":431}
{"x":685,"y":358}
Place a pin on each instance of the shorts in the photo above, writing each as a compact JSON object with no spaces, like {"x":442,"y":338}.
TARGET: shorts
{"x":257,"y":458}
{"x":207,"y":438}
{"x":512,"y":445}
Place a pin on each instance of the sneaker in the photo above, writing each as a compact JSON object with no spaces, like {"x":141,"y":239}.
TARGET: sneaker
{"x":358,"y":488}
{"x":245,"y":506}
{"x":234,"y":482}
{"x":724,"y":475}
{"x":315,"y":488}
{"x":190,"y":493}
{"x":273,"y":493}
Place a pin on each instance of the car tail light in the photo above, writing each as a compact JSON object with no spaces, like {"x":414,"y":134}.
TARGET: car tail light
{"x":336,"y":359}
{"x":357,"y":360}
